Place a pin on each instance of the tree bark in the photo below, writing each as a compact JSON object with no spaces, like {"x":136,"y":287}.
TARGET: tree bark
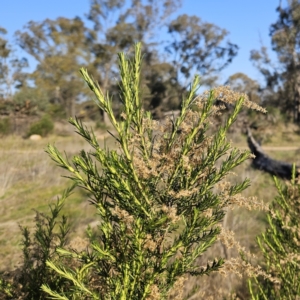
{"x":265,"y":163}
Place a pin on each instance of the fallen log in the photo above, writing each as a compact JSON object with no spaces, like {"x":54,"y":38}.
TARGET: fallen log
{"x":265,"y":163}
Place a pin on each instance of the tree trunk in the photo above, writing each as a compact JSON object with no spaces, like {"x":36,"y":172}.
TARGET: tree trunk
{"x":296,"y":87}
{"x":263,"y":162}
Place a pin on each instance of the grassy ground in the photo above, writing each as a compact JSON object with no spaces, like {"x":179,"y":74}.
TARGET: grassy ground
{"x":30,"y":181}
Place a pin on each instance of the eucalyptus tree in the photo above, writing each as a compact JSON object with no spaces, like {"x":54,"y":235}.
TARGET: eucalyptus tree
{"x":199,"y":46}
{"x":59,"y":49}
{"x":117,"y":25}
{"x":12,"y":73}
{"x":242,"y":83}
{"x":283,"y":78}
{"x":64,"y":45}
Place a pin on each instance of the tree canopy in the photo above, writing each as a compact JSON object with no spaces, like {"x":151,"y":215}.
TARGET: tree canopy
{"x":282,"y":88}
{"x":175,"y":46}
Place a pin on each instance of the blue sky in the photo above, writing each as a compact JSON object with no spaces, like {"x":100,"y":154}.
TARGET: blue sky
{"x":247,"y":21}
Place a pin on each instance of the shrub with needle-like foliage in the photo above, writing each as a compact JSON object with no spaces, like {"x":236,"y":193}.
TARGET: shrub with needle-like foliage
{"x":160,"y":197}
{"x":280,"y":245}
{"x":158,"y":210}
{"x":50,"y":232}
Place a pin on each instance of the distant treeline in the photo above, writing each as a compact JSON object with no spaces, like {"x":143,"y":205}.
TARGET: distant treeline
{"x":175,"y":47}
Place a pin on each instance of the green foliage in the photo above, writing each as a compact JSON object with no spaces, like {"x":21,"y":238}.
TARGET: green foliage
{"x":31,"y":100}
{"x":240,"y":82}
{"x":63,"y":45}
{"x":280,"y":246}
{"x":5,"y":126}
{"x":157,"y":198}
{"x":58,"y":45}
{"x":50,"y":232}
{"x":200,"y":46}
{"x":11,"y":68}
{"x":282,"y":78}
{"x":56,"y":111}
{"x":42,"y":127}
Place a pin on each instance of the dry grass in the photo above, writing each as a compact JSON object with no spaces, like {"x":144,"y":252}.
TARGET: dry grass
{"x":29,"y":181}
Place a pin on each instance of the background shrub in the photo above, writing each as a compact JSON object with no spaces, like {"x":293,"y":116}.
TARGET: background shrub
{"x":31,"y":100}
{"x":280,"y":244}
{"x":5,"y":126}
{"x":49,"y":233}
{"x":42,"y":127}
